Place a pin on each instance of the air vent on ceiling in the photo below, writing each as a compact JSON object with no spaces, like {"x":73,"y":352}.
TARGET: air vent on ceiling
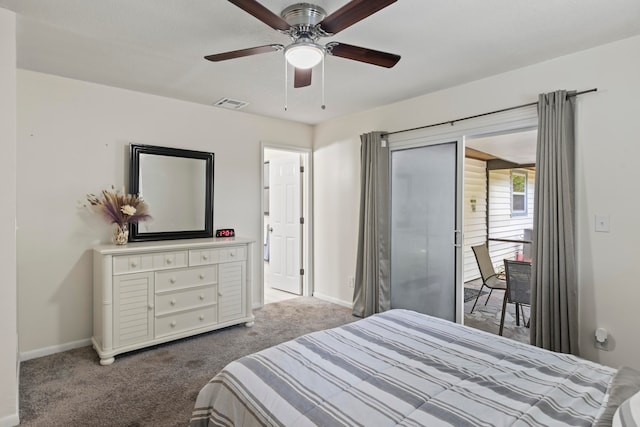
{"x":231,"y":104}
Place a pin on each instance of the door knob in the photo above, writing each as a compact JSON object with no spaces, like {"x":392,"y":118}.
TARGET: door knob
{"x":270,"y":229}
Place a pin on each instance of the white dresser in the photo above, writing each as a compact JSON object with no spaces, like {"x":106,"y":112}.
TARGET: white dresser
{"x":152,"y":292}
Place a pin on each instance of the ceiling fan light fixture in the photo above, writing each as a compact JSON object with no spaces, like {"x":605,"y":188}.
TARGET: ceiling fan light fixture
{"x":304,"y":55}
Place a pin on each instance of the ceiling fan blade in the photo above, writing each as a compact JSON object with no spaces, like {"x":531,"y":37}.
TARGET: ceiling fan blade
{"x":244,"y":52}
{"x":362,"y":54}
{"x":262,"y":13}
{"x":350,"y":13}
{"x":302,"y":77}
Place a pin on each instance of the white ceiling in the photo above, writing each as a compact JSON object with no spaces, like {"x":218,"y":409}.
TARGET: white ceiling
{"x":158,"y":47}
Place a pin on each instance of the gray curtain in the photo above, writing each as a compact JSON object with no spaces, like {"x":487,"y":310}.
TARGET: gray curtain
{"x":554,"y":293}
{"x":371,"y":289}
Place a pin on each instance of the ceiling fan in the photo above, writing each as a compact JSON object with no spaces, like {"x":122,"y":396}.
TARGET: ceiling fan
{"x":306,"y":23}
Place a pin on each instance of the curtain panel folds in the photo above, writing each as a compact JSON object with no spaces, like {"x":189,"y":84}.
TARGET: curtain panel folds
{"x":371,"y":289}
{"x":554,"y":288}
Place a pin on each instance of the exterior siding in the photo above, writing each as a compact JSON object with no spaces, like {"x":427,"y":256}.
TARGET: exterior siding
{"x":502,"y":224}
{"x":475,"y":227}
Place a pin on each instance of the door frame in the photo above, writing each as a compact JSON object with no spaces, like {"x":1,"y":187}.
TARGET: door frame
{"x":511,"y":120}
{"x":307,"y":214}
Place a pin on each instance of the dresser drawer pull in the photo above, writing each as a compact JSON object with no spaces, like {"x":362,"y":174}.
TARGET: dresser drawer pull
{"x":172,"y":280}
{"x":201,"y":297}
{"x":219,"y":294}
{"x":201,"y":276}
{"x":134,"y":264}
{"x":232,"y":254}
{"x":201,"y":317}
{"x":150,"y":307}
{"x":204,"y":257}
{"x":173,"y":324}
{"x":169,"y":261}
{"x":172,"y":302}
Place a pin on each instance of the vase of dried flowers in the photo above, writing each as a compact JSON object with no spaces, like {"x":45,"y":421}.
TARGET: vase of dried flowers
{"x":121,"y":234}
{"x":120,"y":209}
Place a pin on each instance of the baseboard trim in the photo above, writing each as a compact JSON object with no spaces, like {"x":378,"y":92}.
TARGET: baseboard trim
{"x":327,"y":298}
{"x":10,"y":421}
{"x":46,"y":351}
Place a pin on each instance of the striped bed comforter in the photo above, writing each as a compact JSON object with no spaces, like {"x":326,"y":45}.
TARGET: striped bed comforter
{"x":404,"y":368}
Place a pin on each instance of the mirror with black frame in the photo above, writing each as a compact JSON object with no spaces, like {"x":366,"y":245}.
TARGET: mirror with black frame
{"x":177,"y":185}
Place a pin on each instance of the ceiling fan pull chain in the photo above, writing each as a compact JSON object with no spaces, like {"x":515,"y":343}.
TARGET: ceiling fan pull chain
{"x":286,"y":80}
{"x":323,"y":106}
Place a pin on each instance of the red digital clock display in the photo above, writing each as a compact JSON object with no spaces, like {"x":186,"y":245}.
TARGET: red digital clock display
{"x":225,"y":232}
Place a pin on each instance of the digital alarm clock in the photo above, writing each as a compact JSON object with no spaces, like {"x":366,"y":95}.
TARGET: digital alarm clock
{"x":225,"y":232}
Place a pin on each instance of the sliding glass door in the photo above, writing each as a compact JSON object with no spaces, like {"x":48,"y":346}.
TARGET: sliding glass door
{"x":425,"y":223}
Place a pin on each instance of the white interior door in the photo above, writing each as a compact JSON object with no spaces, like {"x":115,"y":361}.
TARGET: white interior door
{"x":285,"y":227}
{"x":425,"y":218}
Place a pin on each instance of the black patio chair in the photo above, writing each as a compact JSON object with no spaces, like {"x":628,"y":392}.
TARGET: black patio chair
{"x":518,"y":274}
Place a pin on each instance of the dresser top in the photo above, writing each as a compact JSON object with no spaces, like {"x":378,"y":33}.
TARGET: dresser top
{"x":163,"y":245}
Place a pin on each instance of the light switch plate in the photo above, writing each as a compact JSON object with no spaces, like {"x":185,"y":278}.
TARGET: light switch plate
{"x":602,"y":223}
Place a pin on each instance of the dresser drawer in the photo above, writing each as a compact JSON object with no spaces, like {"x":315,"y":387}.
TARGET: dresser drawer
{"x":186,"y":299}
{"x":185,"y":320}
{"x":216,"y":255}
{"x":185,"y":278}
{"x":147,"y":262}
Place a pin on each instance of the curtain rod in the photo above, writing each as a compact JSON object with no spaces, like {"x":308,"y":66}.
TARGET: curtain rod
{"x":451,"y":122}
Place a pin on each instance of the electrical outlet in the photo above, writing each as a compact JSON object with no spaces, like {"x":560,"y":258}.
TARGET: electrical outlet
{"x":601,"y":337}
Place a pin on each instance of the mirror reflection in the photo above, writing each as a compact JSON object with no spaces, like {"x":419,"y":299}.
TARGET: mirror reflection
{"x":179,"y":195}
{"x":177,"y":185}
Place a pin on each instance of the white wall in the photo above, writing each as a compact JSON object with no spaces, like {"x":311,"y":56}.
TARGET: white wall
{"x":607,"y":158}
{"x":336,"y":198}
{"x":8,"y":316}
{"x":73,"y":139}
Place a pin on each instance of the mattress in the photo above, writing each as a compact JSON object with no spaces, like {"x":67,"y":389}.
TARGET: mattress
{"x":405,"y":368}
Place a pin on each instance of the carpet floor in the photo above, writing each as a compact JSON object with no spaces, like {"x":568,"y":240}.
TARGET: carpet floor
{"x":156,"y":386}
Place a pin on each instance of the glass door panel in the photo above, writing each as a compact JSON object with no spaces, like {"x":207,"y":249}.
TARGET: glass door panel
{"x":423,"y":229}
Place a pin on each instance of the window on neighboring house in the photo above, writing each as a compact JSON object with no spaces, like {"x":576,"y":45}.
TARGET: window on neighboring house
{"x":518,"y":193}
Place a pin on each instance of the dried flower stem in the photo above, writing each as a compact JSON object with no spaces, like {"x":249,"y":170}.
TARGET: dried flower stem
{"x":119,"y":208}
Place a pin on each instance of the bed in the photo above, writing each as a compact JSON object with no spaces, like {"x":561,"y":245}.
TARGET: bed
{"x":405,"y":368}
